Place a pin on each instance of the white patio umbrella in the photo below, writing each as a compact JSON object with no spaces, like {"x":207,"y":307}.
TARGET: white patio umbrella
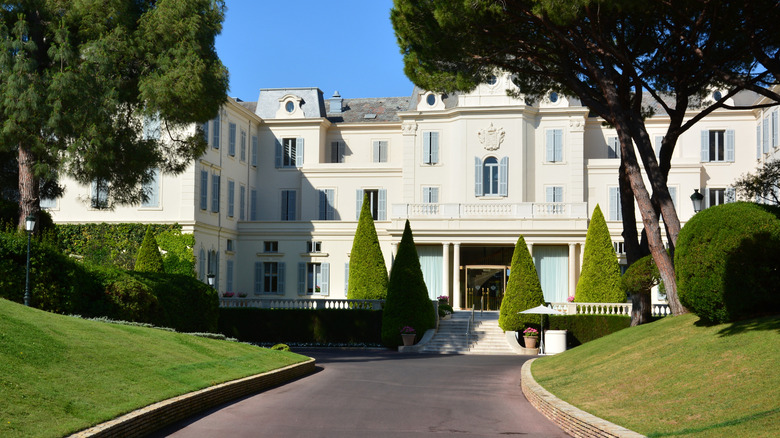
{"x":542,"y":310}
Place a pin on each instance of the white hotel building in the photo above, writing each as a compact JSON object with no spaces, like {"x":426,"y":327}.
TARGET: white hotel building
{"x":273,"y":203}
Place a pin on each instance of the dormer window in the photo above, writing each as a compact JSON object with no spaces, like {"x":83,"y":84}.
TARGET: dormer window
{"x":431,"y":99}
{"x":289,"y":107}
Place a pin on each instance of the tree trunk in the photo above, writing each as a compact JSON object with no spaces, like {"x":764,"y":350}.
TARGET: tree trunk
{"x":641,"y":308}
{"x":631,"y":242}
{"x":28,"y":187}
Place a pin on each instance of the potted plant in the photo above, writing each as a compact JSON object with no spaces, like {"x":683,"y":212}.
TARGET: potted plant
{"x":242,"y":294}
{"x":530,"y":335}
{"x":408,"y":335}
{"x":227,"y":295}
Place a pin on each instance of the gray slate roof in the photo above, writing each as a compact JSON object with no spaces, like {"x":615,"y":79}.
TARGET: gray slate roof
{"x":369,"y":110}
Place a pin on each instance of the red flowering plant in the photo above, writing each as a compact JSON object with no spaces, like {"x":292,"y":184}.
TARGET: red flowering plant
{"x":531,"y":332}
{"x":407,"y":330}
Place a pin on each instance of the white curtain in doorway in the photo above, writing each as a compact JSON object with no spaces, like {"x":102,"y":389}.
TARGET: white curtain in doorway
{"x":552,"y":265}
{"x":431,"y":264}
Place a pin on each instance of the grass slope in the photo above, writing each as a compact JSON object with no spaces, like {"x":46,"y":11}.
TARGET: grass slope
{"x":675,"y":377}
{"x":60,"y":374}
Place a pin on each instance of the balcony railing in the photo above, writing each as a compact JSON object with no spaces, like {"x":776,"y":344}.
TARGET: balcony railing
{"x":526,"y":210}
{"x":287,"y":303}
{"x":605,"y":309}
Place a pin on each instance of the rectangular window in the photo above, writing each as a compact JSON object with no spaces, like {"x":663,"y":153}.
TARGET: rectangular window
{"x":254,"y":151}
{"x":620,"y":247}
{"x":231,"y":198}
{"x":380,"y":151}
{"x":289,"y":153}
{"x":615,"y":208}
{"x":204,"y":189}
{"x":215,"y":132}
{"x":152,"y":191}
{"x":313,"y":246}
{"x":48,"y":203}
{"x":554,"y":145}
{"x":717,"y":145}
{"x":430,"y":195}
{"x":242,"y":202}
{"x":337,"y":151}
{"x":327,"y":211}
{"x":242,"y":157}
{"x":716,"y":197}
{"x":229,"y":279}
{"x":215,"y":193}
{"x":271,"y":246}
{"x":553,"y":194}
{"x":430,"y":147}
{"x":151,"y":127}
{"x":269,"y":277}
{"x":613,"y":147}
{"x":313,"y":278}
{"x":377,"y":199}
{"x":99,"y":194}
{"x":288,"y":205}
{"x":253,"y":205}
{"x":230,"y":246}
{"x":232,"y":139}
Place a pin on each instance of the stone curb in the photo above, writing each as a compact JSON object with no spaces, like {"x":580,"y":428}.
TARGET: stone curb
{"x":144,"y":421}
{"x":573,"y":421}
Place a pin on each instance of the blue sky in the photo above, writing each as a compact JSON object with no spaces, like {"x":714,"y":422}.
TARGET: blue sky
{"x":344,"y":45}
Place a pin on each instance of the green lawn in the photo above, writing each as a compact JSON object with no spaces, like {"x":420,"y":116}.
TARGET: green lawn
{"x":60,"y":374}
{"x":675,"y":377}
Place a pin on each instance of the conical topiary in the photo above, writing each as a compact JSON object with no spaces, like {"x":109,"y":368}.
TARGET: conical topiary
{"x":367,"y":270}
{"x":148,"y":258}
{"x":523,"y":291}
{"x":600,"y":277}
{"x":407,"y":302}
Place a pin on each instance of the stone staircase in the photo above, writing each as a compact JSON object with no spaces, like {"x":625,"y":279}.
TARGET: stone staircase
{"x":485,"y":337}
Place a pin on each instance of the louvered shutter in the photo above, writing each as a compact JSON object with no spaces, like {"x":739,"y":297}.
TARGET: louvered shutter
{"x":730,"y":145}
{"x":325,"y":283}
{"x":503,"y":176}
{"x":478,"y":190}
{"x":382,"y":205}
{"x":280,"y":279}
{"x":301,"y":278}
{"x":299,"y":152}
{"x":705,"y":146}
{"x":359,"y":203}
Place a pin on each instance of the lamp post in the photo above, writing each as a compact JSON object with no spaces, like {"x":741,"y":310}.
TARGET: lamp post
{"x":29,"y":225}
{"x":696,"y":198}
{"x":210,"y":278}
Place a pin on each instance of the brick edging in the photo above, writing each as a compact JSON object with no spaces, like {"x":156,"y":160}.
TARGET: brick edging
{"x":575,"y":422}
{"x":144,"y":421}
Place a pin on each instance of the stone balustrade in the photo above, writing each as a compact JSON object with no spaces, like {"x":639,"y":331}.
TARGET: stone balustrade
{"x":605,"y":309}
{"x":525,"y":210}
{"x":286,"y":303}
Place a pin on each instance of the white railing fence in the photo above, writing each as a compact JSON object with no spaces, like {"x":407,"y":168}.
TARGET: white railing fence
{"x":605,"y":309}
{"x":286,"y":303}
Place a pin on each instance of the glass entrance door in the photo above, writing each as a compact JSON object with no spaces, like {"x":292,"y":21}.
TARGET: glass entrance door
{"x":485,"y":286}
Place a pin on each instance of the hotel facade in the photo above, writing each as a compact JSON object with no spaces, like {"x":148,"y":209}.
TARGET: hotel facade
{"x":273,"y":203}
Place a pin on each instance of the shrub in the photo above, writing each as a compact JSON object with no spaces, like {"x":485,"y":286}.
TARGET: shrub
{"x":445,"y":309}
{"x":367,"y":270}
{"x":523,"y":291}
{"x":585,"y":328}
{"x":281,"y":347}
{"x":637,"y":281}
{"x":600,"y":276}
{"x":148,"y":258}
{"x":407,"y":295}
{"x":726,"y":262}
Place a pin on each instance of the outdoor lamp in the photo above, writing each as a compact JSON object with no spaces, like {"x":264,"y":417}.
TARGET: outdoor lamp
{"x":210,"y":278}
{"x":29,"y":225}
{"x":696,"y":198}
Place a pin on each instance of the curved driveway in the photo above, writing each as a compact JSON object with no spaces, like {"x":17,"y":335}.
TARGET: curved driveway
{"x":380,"y":393}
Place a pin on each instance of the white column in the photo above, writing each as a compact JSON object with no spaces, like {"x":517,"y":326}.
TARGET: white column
{"x":445,"y":269}
{"x":572,"y":268}
{"x":456,"y":304}
{"x":530,"y":248}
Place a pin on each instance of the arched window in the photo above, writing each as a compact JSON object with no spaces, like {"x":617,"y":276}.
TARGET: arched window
{"x":490,"y":176}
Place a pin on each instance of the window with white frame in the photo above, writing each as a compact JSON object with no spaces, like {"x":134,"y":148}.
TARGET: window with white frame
{"x":430,"y":147}
{"x":232,"y":139}
{"x":717,"y":145}
{"x":269,"y":277}
{"x":718,"y":196}
{"x":242,"y":150}
{"x":48,"y":203}
{"x":380,"y":151}
{"x":554,"y":145}
{"x":289,"y":153}
{"x":204,"y":189}
{"x":430,"y":195}
{"x":613,"y":147}
{"x":289,"y":203}
{"x":313,"y":278}
{"x":152,"y":191}
{"x":230,"y":245}
{"x":99,"y":194}
{"x":615,"y":208}
{"x":553,"y":194}
{"x":313,"y":246}
{"x":337,"y":151}
{"x":377,"y":199}
{"x":254,"y":151}
{"x":241,"y":202}
{"x":491,"y":176}
{"x":327,"y":211}
{"x":271,"y":246}
{"x":215,"y":193}
{"x":620,"y":247}
{"x":231,"y":192}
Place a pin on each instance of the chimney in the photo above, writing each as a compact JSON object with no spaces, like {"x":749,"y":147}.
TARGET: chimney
{"x":335,"y":103}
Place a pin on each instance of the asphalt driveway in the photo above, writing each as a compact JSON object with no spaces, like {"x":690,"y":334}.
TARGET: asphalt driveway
{"x":381,"y":393}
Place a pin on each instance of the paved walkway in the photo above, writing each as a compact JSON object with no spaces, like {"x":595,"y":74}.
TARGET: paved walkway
{"x":380,"y":393}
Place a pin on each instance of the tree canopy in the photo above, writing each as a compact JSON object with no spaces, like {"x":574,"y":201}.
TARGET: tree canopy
{"x":106,"y":90}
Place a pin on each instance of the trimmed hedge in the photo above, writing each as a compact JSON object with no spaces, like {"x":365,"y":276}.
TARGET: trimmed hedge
{"x":585,"y":328}
{"x":726,"y":262}
{"x":309,"y":326}
{"x":600,"y":276}
{"x":367,"y":270}
{"x":148,"y":258}
{"x":523,"y":291}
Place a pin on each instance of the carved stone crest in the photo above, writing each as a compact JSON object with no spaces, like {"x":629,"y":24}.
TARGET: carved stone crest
{"x":491,"y":137}
{"x":409,"y":128}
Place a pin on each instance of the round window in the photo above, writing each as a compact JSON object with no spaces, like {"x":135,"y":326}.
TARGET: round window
{"x":431,"y":99}
{"x":492,"y":80}
{"x":290,"y":107}
{"x":553,"y":97}
{"x":717,"y":96}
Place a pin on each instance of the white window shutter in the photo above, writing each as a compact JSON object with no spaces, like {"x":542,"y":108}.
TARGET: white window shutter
{"x":434,"y":195}
{"x":659,"y":139}
{"x":279,"y":153}
{"x":377,"y":158}
{"x":259,"y":277}
{"x":758,"y":141}
{"x":706,"y":197}
{"x":673,"y":195}
{"x":549,"y":194}
{"x":280,"y":278}
{"x":558,"y":190}
{"x":730,"y":145}
{"x":323,"y":205}
{"x":550,"y":146}
{"x":705,"y":146}
{"x":478,"y":190}
{"x":730,"y":195}
{"x":299,"y":152}
{"x":435,"y":147}
{"x":254,"y":150}
{"x":325,"y":284}
{"x":382,"y":205}
{"x":614,"y":203}
{"x":346,"y":279}
{"x":359,"y":203}
{"x":215,"y":133}
{"x":426,"y":158}
{"x":503,"y":176}
{"x":558,"y":145}
{"x":774,"y":140}
{"x":301,"y":278}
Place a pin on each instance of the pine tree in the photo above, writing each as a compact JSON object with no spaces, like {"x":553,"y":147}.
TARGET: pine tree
{"x":600,"y":277}
{"x":148,"y":258}
{"x":407,"y":301}
{"x":367,"y":270}
{"x":523,"y":291}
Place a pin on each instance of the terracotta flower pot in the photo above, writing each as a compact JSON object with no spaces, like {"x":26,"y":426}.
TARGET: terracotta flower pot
{"x":408,"y":339}
{"x":530,"y":341}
